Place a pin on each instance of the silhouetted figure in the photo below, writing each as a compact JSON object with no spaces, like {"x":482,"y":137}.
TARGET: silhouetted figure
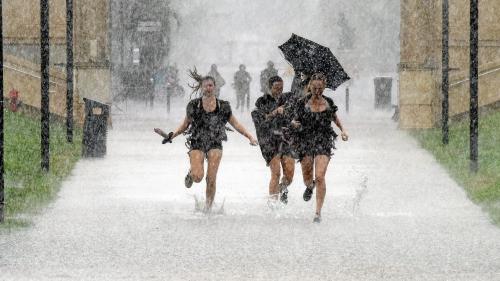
{"x":219,"y":81}
{"x":241,"y":84}
{"x":265,"y":75}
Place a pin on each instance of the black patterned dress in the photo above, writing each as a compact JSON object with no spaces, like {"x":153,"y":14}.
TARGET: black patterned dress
{"x":207,"y":129}
{"x":315,"y":135}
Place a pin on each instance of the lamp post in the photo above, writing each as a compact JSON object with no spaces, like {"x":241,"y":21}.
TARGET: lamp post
{"x":445,"y":70}
{"x":69,"y":70}
{"x":474,"y":118}
{"x":44,"y":53}
{"x":2,"y":193}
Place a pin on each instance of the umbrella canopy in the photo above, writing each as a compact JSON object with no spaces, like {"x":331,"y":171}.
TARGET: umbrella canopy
{"x":310,"y":57}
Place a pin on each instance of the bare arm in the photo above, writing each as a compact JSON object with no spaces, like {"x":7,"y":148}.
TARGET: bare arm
{"x":237,"y":125}
{"x":337,"y":122}
{"x":182,"y":127}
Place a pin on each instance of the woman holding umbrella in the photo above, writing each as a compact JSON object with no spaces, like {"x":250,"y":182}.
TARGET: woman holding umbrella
{"x":206,"y":118}
{"x":313,"y":116}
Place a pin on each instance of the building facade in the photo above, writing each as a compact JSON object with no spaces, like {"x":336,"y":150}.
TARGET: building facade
{"x":420,"y":63}
{"x":92,"y":77}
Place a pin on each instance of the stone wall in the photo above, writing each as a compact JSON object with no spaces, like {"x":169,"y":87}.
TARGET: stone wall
{"x":21,"y":21}
{"x":421,"y":28}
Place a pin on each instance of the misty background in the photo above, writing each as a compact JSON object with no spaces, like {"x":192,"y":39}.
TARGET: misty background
{"x":229,"y":33}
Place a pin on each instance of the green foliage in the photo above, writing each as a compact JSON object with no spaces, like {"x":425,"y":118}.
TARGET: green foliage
{"x":27,"y":187}
{"x":484,"y":187}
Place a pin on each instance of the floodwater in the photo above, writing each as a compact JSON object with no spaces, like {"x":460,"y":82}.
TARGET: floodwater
{"x":391,"y":213}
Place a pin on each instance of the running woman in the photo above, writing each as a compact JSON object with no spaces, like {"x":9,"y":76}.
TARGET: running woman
{"x":205,"y":122}
{"x":314,"y":114}
{"x":269,"y":120}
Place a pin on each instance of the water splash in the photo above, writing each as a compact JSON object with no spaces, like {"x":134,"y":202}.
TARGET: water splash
{"x":360,"y":193}
{"x":200,"y":207}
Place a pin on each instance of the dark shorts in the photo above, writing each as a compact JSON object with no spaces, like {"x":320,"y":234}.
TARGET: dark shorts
{"x":204,"y":146}
{"x":274,"y":147}
{"x":315,"y":146}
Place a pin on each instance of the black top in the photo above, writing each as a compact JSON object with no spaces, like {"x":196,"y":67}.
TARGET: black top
{"x":315,"y":123}
{"x":266,"y":104}
{"x":208,"y":125}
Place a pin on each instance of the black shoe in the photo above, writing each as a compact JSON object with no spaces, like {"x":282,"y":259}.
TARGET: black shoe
{"x":317,"y":218}
{"x":283,"y":193}
{"x":188,"y":180}
{"x":308,"y":192}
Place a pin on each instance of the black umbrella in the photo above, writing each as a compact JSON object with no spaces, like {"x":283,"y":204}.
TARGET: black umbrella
{"x":310,"y":57}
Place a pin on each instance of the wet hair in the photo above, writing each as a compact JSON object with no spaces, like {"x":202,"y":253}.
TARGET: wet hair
{"x":318,"y":76}
{"x":315,"y":77}
{"x":198,"y":79}
{"x":273,"y":79}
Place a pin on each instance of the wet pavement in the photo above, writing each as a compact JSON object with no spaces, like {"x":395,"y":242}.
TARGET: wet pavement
{"x":391,"y":213}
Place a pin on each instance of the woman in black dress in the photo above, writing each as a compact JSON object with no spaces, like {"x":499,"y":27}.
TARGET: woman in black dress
{"x":269,"y":120}
{"x":313,"y":116}
{"x":205,"y":122}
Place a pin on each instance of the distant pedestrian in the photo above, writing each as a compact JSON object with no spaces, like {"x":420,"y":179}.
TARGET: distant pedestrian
{"x":241,"y":84}
{"x":265,"y":75}
{"x":205,"y":121}
{"x":219,"y":81}
{"x":171,"y":84}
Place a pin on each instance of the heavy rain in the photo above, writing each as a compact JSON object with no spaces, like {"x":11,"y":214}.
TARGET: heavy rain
{"x":250,"y":140}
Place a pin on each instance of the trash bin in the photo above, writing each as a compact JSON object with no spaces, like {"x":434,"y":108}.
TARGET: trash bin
{"x":383,"y":88}
{"x":95,"y":128}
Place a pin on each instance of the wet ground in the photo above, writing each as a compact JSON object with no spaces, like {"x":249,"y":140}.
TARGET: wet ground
{"x":391,"y":213}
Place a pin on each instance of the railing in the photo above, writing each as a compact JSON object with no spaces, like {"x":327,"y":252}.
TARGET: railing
{"x":8,"y":66}
{"x":480,"y":75}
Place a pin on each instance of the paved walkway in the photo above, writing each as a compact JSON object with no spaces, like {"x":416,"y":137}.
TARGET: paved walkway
{"x":391,"y":213}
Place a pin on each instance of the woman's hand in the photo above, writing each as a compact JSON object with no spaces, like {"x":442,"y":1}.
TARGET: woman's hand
{"x":253,"y":141}
{"x":279,"y":110}
{"x":296,"y":124}
{"x":344,"y":136}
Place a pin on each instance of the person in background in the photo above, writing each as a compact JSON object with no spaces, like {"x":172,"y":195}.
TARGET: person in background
{"x":219,"y":81}
{"x":267,"y":73}
{"x":241,"y":85}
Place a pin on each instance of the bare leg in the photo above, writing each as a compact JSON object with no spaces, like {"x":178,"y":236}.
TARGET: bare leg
{"x":321,"y":164}
{"x":214,"y":157}
{"x":288,"y":164}
{"x":275,"y":167}
{"x":307,"y":170}
{"x":196,"y":158}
